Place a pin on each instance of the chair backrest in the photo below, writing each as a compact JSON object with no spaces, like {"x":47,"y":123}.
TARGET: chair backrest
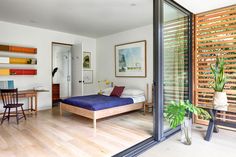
{"x":9,"y":96}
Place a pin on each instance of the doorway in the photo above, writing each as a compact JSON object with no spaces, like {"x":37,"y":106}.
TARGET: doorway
{"x":67,"y":71}
{"x":61,"y":71}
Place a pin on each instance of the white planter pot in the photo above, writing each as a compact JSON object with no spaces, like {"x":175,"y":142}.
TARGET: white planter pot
{"x":220,"y":101}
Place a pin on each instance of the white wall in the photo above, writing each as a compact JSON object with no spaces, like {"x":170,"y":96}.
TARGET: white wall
{"x":42,"y":39}
{"x":106,"y":57}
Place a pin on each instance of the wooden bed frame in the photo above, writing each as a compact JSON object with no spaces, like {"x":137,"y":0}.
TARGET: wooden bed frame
{"x":94,"y":115}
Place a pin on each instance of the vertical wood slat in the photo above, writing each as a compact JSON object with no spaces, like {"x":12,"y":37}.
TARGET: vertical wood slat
{"x":217,"y":40}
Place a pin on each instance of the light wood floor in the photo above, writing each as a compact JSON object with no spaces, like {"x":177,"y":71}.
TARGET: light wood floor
{"x":49,"y":135}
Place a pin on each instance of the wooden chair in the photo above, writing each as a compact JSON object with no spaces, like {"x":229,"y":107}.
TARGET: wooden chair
{"x":10,"y":100}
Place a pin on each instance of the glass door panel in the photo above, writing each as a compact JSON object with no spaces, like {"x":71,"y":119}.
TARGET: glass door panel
{"x":175,"y":54}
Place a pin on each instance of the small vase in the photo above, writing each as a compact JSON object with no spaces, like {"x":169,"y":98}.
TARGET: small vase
{"x":186,"y":131}
{"x":220,"y":101}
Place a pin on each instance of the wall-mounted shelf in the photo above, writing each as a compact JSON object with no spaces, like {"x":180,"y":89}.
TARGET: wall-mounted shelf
{"x":12,"y":59}
{"x":7,"y":72}
{"x":18,"y":49}
{"x":15,"y":60}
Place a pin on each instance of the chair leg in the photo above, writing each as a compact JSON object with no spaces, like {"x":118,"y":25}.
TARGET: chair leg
{"x":23,"y":112}
{"x":4,"y":114}
{"x":8,"y":117}
{"x":17,"y":120}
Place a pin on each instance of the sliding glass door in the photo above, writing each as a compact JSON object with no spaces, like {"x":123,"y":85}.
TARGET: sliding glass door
{"x":176,"y":56}
{"x":172,"y":62}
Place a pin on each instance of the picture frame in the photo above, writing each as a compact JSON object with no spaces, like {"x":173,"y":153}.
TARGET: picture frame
{"x":88,"y":76}
{"x":130,"y":59}
{"x":87,"y":60}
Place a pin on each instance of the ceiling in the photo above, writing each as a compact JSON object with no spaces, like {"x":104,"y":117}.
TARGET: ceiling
{"x":92,"y":18}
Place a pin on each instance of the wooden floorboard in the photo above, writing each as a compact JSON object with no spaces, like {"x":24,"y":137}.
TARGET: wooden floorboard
{"x":50,"y":135}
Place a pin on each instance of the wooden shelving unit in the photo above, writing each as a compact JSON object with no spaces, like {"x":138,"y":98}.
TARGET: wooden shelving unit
{"x":17,"y":60}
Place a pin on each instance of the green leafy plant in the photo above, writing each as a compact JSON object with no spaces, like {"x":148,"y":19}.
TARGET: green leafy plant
{"x":175,"y":112}
{"x":219,"y":76}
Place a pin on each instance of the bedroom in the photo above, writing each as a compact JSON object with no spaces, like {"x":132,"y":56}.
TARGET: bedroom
{"x":48,"y":37}
{"x":96,"y":78}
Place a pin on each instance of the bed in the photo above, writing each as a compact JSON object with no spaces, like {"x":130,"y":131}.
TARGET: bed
{"x":100,"y":106}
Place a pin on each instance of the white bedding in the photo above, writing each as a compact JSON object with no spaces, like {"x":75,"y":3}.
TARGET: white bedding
{"x":135,"y":94}
{"x":138,"y":99}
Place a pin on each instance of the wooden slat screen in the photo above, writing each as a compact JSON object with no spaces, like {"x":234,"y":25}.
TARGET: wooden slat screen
{"x":215,"y":35}
{"x":175,"y":60}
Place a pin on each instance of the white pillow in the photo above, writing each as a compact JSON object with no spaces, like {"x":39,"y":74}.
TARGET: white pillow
{"x":107,"y":91}
{"x":129,"y":96}
{"x":132,"y":92}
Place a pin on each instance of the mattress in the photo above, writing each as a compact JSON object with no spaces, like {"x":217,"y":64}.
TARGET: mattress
{"x":98,"y":102}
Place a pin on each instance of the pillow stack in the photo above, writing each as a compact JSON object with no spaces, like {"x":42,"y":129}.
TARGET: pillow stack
{"x":123,"y":92}
{"x":130,"y":93}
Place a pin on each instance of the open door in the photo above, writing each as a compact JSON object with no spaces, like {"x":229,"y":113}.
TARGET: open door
{"x":77,"y":70}
{"x":61,"y":71}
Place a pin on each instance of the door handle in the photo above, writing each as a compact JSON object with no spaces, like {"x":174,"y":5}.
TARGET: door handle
{"x":80,"y":81}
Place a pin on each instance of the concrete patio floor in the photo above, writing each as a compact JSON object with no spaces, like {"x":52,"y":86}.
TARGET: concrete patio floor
{"x":221,"y":144}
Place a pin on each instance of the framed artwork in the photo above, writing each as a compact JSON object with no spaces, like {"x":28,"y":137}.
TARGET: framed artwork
{"x":86,"y":60}
{"x":88,"y":76}
{"x":130,"y":59}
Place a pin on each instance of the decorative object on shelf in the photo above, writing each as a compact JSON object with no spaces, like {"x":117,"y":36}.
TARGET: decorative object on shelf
{"x":14,"y":60}
{"x":8,"y":84}
{"x":54,"y":71}
{"x":130,"y":59}
{"x":18,"y":49}
{"x":220,"y":100}
{"x":4,"y":60}
{"x":86,"y":60}
{"x":7,"y":72}
{"x":88,"y":76}
{"x":102,"y":84}
{"x":180,"y":113}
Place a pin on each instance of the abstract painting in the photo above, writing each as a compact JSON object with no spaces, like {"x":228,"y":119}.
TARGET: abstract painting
{"x":130,"y":59}
{"x":87,"y":60}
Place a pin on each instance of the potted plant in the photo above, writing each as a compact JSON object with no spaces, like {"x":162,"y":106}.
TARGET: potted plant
{"x":180,"y":113}
{"x":220,"y":100}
